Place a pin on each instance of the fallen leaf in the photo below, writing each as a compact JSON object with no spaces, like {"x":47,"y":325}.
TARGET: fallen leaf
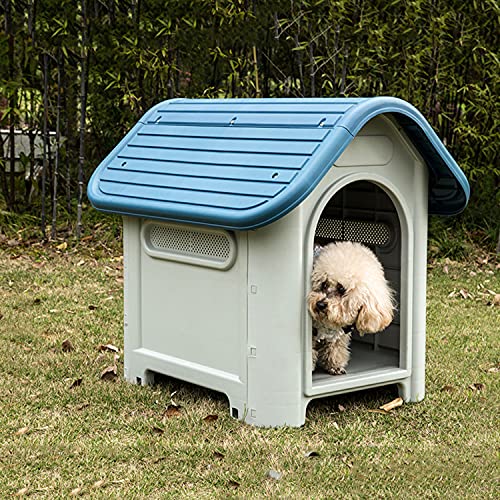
{"x":75,"y":492}
{"x":336,"y":425}
{"x":76,"y":383}
{"x":493,"y":369}
{"x":382,"y":412}
{"x":67,"y":346}
{"x":311,"y":454}
{"x":346,"y":462}
{"x":172,"y":394}
{"x":158,"y":430}
{"x":445,"y":270}
{"x":109,"y":373}
{"x":22,"y":431}
{"x":62,"y":246}
{"x":108,"y":347}
{"x":172,"y":411}
{"x":496,"y":299}
{"x":448,"y":388}
{"x":477,"y":386}
{"x":80,"y":263}
{"x":341,"y":408}
{"x":464,"y":293}
{"x":274,"y":474}
{"x":21,"y":492}
{"x":233,"y":484}
{"x":391,"y":405}
{"x":98,"y":484}
{"x":211,"y":418}
{"x":218,"y":455}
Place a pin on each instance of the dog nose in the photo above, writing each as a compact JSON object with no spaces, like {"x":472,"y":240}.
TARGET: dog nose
{"x":321,"y":305}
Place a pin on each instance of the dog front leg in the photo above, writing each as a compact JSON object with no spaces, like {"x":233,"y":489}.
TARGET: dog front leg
{"x":333,"y":356}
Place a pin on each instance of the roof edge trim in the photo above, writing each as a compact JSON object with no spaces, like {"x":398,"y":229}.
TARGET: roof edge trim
{"x":359,"y":115}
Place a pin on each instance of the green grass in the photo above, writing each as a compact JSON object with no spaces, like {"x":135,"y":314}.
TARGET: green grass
{"x":111,"y":439}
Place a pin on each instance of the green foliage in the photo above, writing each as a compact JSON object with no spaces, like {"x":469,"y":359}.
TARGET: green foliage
{"x":440,"y":56}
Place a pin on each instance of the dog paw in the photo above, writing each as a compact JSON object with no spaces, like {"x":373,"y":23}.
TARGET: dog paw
{"x":337,"y":371}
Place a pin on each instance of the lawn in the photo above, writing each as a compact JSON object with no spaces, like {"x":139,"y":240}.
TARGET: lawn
{"x":69,"y":426}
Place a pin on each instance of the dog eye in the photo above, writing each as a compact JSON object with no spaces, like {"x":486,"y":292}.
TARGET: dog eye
{"x":340,"y":289}
{"x":324,"y":286}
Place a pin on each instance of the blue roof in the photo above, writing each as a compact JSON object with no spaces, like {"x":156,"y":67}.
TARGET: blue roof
{"x":244,"y":163}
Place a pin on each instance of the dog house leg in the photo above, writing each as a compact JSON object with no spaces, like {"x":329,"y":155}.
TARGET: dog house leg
{"x":147,"y":378}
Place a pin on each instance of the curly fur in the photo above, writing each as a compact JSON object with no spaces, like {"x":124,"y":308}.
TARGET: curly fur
{"x":348,"y":288}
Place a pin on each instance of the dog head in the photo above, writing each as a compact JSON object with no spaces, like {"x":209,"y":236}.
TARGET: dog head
{"x":349,"y":288}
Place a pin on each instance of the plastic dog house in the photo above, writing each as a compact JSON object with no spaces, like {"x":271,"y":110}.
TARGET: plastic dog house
{"x":222,"y":201}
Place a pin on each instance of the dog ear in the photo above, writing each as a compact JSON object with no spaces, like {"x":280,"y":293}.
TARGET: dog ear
{"x":376,"y":313}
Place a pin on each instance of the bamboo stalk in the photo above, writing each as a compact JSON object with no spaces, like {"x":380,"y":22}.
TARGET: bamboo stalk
{"x":11,"y":198}
{"x":256,"y":69}
{"x":67,"y":162}
{"x":344,"y":70}
{"x":31,"y":138}
{"x":55,"y":173}
{"x":32,"y":128}
{"x":312,"y":71}
{"x":83,"y":108}
{"x":3,"y":177}
{"x":43,"y":221}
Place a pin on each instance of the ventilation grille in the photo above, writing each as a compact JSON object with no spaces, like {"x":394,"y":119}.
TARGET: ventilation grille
{"x":212,"y":248}
{"x":371,"y":233}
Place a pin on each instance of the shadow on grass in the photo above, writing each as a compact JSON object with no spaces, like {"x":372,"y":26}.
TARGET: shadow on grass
{"x":367,"y":399}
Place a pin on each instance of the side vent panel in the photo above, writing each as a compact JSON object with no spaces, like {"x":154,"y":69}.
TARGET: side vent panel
{"x":192,"y":245}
